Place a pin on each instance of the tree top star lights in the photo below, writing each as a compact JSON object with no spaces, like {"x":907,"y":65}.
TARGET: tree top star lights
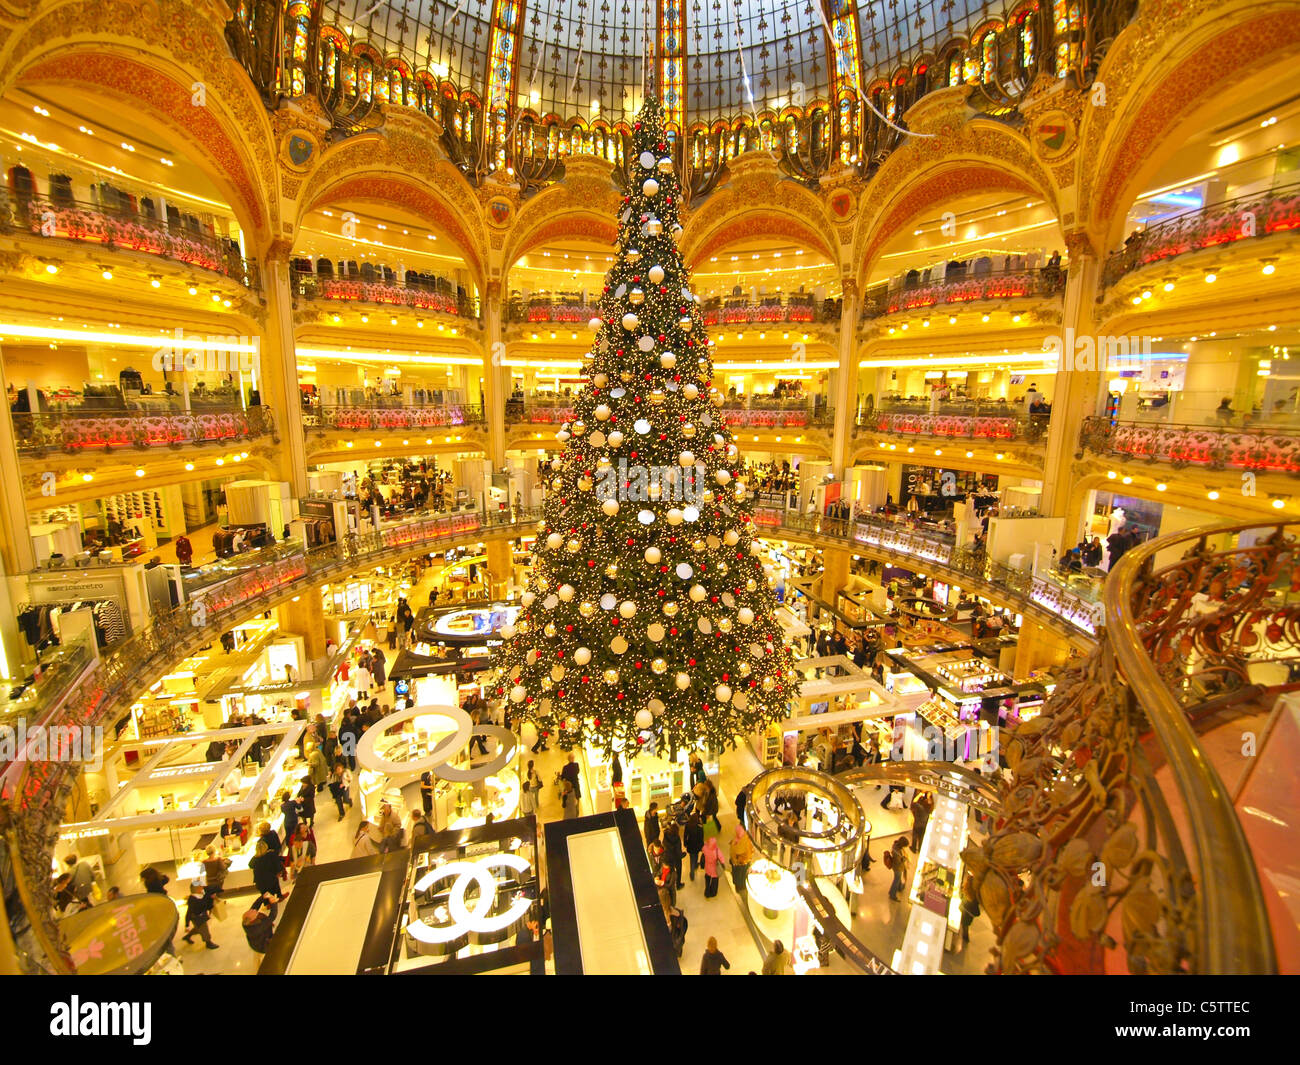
{"x":648,"y":622}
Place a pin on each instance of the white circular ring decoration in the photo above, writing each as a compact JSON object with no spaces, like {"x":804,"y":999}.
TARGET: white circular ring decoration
{"x":508,"y":741}
{"x":463,"y":918}
{"x":445,"y":749}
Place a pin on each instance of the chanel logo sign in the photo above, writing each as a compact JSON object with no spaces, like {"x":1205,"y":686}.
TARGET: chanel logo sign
{"x":464,"y":916}
{"x":447,"y":748}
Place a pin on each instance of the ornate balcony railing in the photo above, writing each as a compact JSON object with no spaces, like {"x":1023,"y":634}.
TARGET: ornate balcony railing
{"x":1042,"y":596}
{"x":964,"y":286}
{"x":543,"y":309}
{"x":1261,"y":448}
{"x":126,"y":230}
{"x":538,"y":411}
{"x":105,"y":431}
{"x":434,"y":294}
{"x":1031,"y":429}
{"x":778,"y":414}
{"x":1179,"y":890}
{"x":799,"y":310}
{"x":352,"y":417}
{"x":1260,"y":214}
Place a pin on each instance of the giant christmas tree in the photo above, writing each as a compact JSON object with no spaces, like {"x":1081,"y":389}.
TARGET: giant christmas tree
{"x":648,"y":623}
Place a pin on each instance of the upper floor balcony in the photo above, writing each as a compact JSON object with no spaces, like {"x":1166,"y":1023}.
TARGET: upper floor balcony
{"x":982,"y":279}
{"x":161,"y":424}
{"x":119,"y":222}
{"x":797,"y":308}
{"x":390,"y":415}
{"x":1261,"y":446}
{"x":753,"y":413}
{"x":961,"y":419}
{"x":564,"y":308}
{"x":1256,"y":216}
{"x":381,"y":286}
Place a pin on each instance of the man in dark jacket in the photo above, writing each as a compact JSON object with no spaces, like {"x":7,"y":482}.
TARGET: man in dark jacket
{"x":259,"y":923}
{"x":571,"y":773}
{"x":198,"y":909}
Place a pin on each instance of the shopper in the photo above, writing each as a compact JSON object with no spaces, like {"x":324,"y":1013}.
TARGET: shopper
{"x":319,"y":768}
{"x":259,"y":924}
{"x":777,"y":962}
{"x":266,"y":869}
{"x":652,"y":826}
{"x":528,"y":791}
{"x":571,"y":773}
{"x":341,"y":787}
{"x":215,"y":869}
{"x":740,"y":857}
{"x":184,"y":550}
{"x":198,"y":909}
{"x":232,"y":829}
{"x":922,"y":806}
{"x":742,"y":797}
{"x":693,"y":840}
{"x":677,"y":926}
{"x":970,"y":908}
{"x":307,"y":801}
{"x":540,"y":745}
{"x":712,"y":860}
{"x":82,"y":878}
{"x":154,"y":882}
{"x":267,"y":835}
{"x":290,"y":810}
{"x":714,"y":961}
{"x":710,"y":806}
{"x":363,"y":843}
{"x":672,"y":844}
{"x":898,"y":860}
{"x":568,"y":800}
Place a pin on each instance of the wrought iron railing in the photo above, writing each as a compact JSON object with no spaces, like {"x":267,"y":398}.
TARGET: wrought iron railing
{"x":1261,"y":214}
{"x":739,"y":310}
{"x":545,"y":309}
{"x":1261,"y":448}
{"x":759,"y":413}
{"x":994,"y":427}
{"x":42,"y":695}
{"x":964,"y":286}
{"x":386,"y":417}
{"x":78,"y":430}
{"x":435,"y":295}
{"x":538,"y":411}
{"x":126,"y":229}
{"x":1098,"y":851}
{"x":1071,"y":606}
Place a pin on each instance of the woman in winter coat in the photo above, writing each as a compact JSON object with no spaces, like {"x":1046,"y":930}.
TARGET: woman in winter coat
{"x":693,"y":840}
{"x":672,"y":844}
{"x":742,"y":853}
{"x":712,"y":867}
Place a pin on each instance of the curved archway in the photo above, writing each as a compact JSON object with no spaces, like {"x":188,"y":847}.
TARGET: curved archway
{"x":1154,"y":97}
{"x":163,"y":95}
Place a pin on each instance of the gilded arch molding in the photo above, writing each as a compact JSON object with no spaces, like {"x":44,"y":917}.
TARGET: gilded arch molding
{"x":1167,"y":63}
{"x":758,"y":202}
{"x":962,"y":158}
{"x":584,"y":206}
{"x":149,"y":55}
{"x":397,"y":170}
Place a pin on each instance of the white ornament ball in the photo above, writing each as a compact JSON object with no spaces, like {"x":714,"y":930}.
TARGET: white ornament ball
{"x":630,"y":321}
{"x":690,"y":391}
{"x":650,"y":187}
{"x":755,"y":548}
{"x":594,"y":324}
{"x":565,"y":592}
{"x":698,"y":593}
{"x":745,"y":616}
{"x":615,"y":438}
{"x":528,"y":598}
{"x":667,"y":360}
{"x":722,"y":476}
{"x":600,"y":380}
{"x":674,"y":516}
{"x":562,"y":435}
{"x":731,"y":538}
{"x":653,"y":555}
{"x":582,"y":655}
{"x":683,"y":681}
{"x":686,"y":459}
{"x":507,"y":632}
{"x":723,"y":693}
{"x":656,"y":274}
{"x":609,"y":507}
{"x":602,"y":413}
{"x":518,"y":693}
{"x":627,"y":608}
{"x":555,"y":541}
{"x":644,"y":719}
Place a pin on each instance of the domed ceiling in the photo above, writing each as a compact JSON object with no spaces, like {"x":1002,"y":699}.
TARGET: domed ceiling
{"x":586,"y":57}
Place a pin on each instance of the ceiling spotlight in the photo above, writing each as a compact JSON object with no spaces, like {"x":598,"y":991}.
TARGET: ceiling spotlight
{"x":1169,"y":286}
{"x":193,"y":290}
{"x":139,"y":472}
{"x":1161,"y":486}
{"x":155,"y":282}
{"x":1111,"y":474}
{"x":1211,"y":277}
{"x":1278,"y":504}
{"x":1269,"y":267}
{"x":106,"y":273}
{"x":50,"y":268}
{"x":1212,"y":495}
